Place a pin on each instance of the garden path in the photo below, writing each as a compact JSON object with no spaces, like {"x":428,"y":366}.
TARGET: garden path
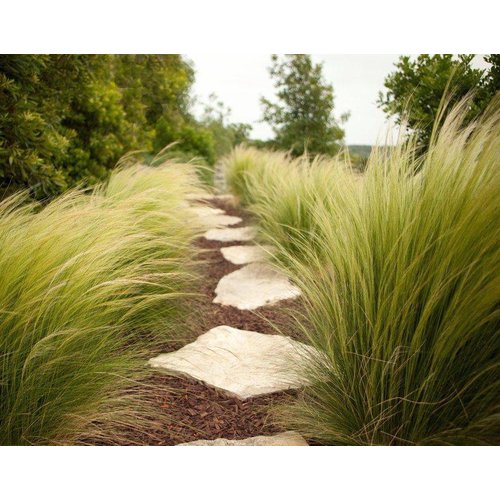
{"x":241,"y":363}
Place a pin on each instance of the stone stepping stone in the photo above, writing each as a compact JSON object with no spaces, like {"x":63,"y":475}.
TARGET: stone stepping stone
{"x":232,"y":234}
{"x":214,"y":217}
{"x":245,"y":254}
{"x":204,"y":211}
{"x":253,"y":286}
{"x":228,"y":198}
{"x":289,"y":438}
{"x":242,"y":363}
{"x":199,"y":196}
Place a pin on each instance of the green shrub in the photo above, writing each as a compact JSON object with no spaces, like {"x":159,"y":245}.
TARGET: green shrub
{"x":89,"y":284}
{"x":65,"y":120}
{"x":400,"y":278}
{"x":34,"y":92}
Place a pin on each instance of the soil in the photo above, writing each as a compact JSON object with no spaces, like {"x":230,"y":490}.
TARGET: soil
{"x":197,"y":411}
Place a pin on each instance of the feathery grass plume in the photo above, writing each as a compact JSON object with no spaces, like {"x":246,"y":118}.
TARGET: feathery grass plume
{"x":400,"y":276}
{"x":88,"y":284}
{"x":238,"y":165}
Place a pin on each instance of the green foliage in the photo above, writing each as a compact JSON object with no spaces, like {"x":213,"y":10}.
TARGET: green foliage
{"x":302,"y":118}
{"x":226,"y":135}
{"x":188,"y":142}
{"x":416,"y":89}
{"x":286,"y":187}
{"x":89,"y":285}
{"x":241,"y":167}
{"x":360,"y":150}
{"x":34,"y":90}
{"x":399,"y":273}
{"x":67,"y":119}
{"x":99,"y":129}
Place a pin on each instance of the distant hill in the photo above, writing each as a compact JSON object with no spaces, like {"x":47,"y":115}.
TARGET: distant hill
{"x":362,"y":150}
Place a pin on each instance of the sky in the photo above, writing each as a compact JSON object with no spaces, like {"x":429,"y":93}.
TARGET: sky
{"x":239,"y":80}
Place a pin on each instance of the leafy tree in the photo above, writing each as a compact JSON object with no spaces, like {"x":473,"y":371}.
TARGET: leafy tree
{"x":490,"y":83}
{"x":416,"y":88}
{"x":156,"y":97}
{"x":302,"y":118}
{"x":226,"y":135}
{"x":67,"y":119}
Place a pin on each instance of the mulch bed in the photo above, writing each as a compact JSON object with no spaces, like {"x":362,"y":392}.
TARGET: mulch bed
{"x":196,"y":411}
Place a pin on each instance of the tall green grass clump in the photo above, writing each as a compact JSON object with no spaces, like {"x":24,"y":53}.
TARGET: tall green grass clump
{"x":88,"y":284}
{"x":401,"y":285}
{"x":239,"y":165}
{"x":281,"y":191}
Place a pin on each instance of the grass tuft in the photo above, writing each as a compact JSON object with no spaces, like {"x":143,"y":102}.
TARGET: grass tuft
{"x":89,"y":284}
{"x":400,"y":276}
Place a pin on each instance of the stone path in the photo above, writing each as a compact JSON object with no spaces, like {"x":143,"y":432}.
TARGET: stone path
{"x":219,"y":179}
{"x":214,"y":217}
{"x":242,"y":363}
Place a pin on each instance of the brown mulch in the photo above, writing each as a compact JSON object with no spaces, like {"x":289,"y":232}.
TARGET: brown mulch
{"x":196,"y":411}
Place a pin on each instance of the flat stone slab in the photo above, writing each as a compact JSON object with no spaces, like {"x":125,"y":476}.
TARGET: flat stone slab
{"x":232,"y":234}
{"x":228,"y":198}
{"x":245,"y":254}
{"x":214,"y":217}
{"x":203,"y":211}
{"x":242,"y":363}
{"x":289,"y":438}
{"x":253,"y":286}
{"x":202,"y":195}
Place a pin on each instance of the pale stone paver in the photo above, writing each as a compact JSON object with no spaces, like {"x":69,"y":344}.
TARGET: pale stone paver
{"x":228,"y":198}
{"x":232,"y":234}
{"x":202,"y":195}
{"x":212,"y":218}
{"x":216,"y":221}
{"x":288,"y":438}
{"x":242,"y":363}
{"x":253,"y":286}
{"x":204,"y":211}
{"x":246,"y":254}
